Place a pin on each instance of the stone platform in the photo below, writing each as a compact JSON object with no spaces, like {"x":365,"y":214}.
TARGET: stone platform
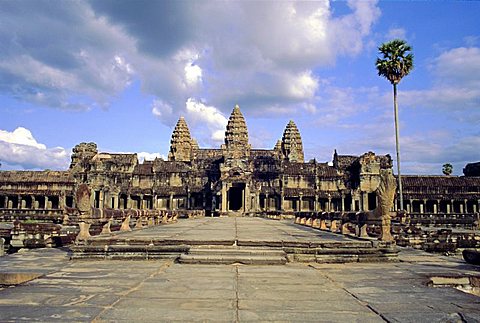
{"x":228,"y":240}
{"x":165,"y":291}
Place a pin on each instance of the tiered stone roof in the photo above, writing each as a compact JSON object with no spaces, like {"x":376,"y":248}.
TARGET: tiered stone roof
{"x":236,"y":135}
{"x":182,"y":144}
{"x":292,"y":147}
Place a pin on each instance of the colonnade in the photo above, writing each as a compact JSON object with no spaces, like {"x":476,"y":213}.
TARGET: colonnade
{"x":33,"y":202}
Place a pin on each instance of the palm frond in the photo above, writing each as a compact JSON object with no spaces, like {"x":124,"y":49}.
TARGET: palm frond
{"x":397,"y":60}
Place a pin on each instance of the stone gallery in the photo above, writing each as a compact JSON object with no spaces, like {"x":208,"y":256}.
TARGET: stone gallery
{"x":234,"y":179}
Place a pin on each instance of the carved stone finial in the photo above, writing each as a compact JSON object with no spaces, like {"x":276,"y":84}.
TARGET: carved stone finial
{"x":181,"y":144}
{"x":292,"y":147}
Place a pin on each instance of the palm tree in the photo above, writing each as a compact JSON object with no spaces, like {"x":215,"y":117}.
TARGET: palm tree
{"x":447,"y":169}
{"x":396,"y":63}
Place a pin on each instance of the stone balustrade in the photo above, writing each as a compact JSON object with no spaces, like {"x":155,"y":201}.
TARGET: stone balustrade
{"x":431,"y":232}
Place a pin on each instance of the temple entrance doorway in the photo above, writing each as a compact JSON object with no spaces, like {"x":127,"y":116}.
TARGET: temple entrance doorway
{"x":236,"y":197}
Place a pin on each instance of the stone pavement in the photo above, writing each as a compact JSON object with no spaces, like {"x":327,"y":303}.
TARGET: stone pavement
{"x":161,"y":290}
{"x":229,"y":229}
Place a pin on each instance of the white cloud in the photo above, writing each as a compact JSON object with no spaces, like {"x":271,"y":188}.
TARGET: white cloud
{"x":20,"y":149}
{"x":303,"y":85}
{"x":456,"y":86}
{"x":257,"y":54}
{"x":193,"y":74}
{"x":143,"y":156}
{"x":63,"y":56}
{"x":396,"y":33}
{"x":21,"y":136}
{"x":458,"y":65}
{"x":162,"y":110}
{"x":202,"y":116}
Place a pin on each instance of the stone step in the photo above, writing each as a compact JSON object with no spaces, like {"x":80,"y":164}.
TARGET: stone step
{"x":236,"y":251}
{"x":231,"y":255}
{"x":127,"y":252}
{"x":219,"y":259}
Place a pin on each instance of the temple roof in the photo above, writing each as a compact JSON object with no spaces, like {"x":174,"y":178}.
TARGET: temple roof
{"x":292,"y":147}
{"x":181,"y":144}
{"x":47,"y":176}
{"x":236,"y":134}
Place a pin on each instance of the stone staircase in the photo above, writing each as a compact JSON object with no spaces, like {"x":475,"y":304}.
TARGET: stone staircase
{"x":227,"y":255}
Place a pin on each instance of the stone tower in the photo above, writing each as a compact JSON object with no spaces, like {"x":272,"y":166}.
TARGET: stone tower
{"x":292,"y":148}
{"x":82,"y":154}
{"x":182,"y":144}
{"x":236,"y":136}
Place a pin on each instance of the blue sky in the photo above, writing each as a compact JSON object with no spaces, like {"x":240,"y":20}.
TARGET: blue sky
{"x":121,"y":73}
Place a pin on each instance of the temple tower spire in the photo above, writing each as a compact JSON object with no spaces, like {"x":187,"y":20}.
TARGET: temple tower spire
{"x":292,"y":147}
{"x":236,"y":135}
{"x":182,"y":144}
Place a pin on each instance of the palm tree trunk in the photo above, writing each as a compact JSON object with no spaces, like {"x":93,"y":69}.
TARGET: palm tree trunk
{"x":397,"y":143}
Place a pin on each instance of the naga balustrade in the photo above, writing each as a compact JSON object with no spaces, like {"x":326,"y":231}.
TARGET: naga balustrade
{"x":104,"y":221}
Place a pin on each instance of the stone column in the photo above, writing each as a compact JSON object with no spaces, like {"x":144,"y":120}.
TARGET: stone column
{"x":116,"y":201}
{"x":5,"y":201}
{"x":21,"y":202}
{"x":343,"y":203}
{"x":449,"y":207}
{"x":224,"y":197}
{"x":282,"y":201}
{"x":46,"y":206}
{"x":409,"y":206}
{"x":475,"y":208}
{"x":61,"y":201}
{"x":92,"y":198}
{"x":247,"y":199}
{"x":189,"y":203}
{"x":364,"y":201}
{"x":34,"y":206}
{"x":267,"y":202}
{"x":422,"y":208}
{"x":435,"y":206}
{"x":101,"y":201}
{"x":465,"y":209}
{"x":170,"y":203}
{"x":300,"y":201}
{"x":462,"y":208}
{"x":129,"y":201}
{"x":329,"y":203}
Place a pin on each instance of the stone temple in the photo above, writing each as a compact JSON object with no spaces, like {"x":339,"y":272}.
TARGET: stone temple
{"x":234,"y":179}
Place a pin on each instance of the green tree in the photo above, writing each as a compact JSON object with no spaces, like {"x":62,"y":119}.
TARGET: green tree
{"x":397,"y":62}
{"x":447,"y":169}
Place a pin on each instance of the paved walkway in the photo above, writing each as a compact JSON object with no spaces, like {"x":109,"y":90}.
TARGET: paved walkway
{"x":155,"y":291}
{"x":231,"y":229}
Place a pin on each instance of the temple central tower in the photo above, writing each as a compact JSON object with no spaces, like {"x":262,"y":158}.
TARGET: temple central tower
{"x":236,"y":172}
{"x":236,"y":136}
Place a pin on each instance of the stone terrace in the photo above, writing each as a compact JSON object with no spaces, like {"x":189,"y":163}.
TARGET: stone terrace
{"x":229,"y":240}
{"x":162,"y":290}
